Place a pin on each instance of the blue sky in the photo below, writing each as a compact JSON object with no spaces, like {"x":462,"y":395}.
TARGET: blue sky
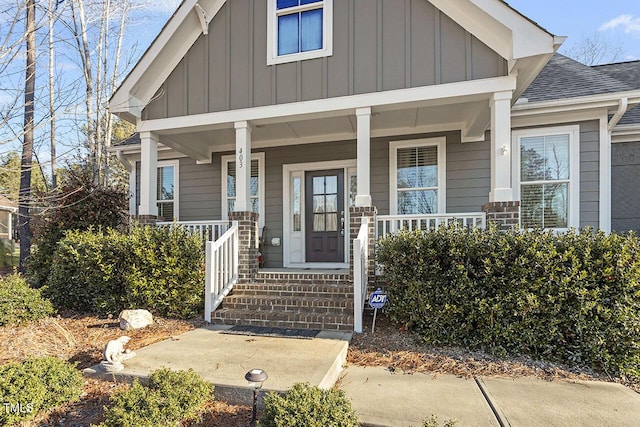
{"x":617,"y":21}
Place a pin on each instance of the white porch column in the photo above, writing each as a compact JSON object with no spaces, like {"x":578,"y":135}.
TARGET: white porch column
{"x":149,"y":175}
{"x":243,"y":167}
{"x":501,"y":190}
{"x":363,"y":197}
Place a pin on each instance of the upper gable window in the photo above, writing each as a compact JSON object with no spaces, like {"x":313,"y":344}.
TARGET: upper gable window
{"x":298,"y":30}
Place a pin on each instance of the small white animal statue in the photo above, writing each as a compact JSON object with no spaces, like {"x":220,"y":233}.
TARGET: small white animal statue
{"x":114,"y":354}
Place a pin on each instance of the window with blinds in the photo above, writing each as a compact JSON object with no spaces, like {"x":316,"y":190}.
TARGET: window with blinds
{"x":254,"y":184}
{"x":166,"y":193}
{"x":545,"y":181}
{"x":417,"y":180}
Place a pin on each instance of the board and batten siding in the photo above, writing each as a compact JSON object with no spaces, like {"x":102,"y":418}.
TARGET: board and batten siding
{"x":625,"y":197}
{"x":378,"y":45}
{"x":589,"y":174}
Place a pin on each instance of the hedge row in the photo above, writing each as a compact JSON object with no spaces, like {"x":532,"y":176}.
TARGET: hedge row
{"x":158,"y":269}
{"x":572,"y":298}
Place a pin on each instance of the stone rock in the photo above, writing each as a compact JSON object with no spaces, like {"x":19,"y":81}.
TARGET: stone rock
{"x":135,"y":319}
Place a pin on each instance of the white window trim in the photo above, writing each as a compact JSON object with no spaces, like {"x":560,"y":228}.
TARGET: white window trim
{"x":272,"y":34}
{"x":260,"y":157}
{"x":441,"y":143}
{"x":176,"y":186}
{"x":573,"y":216}
{"x":299,"y":169}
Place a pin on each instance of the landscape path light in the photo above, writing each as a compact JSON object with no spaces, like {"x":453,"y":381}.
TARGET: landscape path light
{"x":255,"y":377}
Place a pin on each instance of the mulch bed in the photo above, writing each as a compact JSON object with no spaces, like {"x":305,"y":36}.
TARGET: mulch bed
{"x":81,"y":339}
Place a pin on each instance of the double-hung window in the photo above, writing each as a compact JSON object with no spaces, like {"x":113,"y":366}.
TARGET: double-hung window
{"x":547,"y":168}
{"x":417,"y":176}
{"x":256,"y":185}
{"x":166,"y":190}
{"x":298,"y":29}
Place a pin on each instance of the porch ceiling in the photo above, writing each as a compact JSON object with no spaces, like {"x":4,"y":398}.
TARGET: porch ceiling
{"x":300,"y":130}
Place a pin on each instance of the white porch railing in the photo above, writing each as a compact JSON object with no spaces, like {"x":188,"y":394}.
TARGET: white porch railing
{"x":221,"y":269}
{"x":210,"y":231}
{"x":391,"y":224}
{"x":360,"y":274}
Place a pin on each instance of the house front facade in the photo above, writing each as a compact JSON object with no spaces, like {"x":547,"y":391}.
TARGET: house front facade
{"x":314,"y":114}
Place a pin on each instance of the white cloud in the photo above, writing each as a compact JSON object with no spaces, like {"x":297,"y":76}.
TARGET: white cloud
{"x":628,"y":23}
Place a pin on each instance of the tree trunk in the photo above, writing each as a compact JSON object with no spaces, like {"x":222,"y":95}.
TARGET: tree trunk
{"x":24,"y":225}
{"x":52,"y":104}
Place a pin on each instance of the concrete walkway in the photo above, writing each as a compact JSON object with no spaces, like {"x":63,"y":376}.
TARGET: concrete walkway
{"x":382,"y":398}
{"x":385,"y":399}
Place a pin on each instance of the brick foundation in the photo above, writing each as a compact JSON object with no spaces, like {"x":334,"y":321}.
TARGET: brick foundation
{"x":356,"y":214}
{"x":248,"y":244}
{"x":506,"y":215}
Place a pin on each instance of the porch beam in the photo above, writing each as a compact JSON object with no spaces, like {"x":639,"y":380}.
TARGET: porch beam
{"x":148,"y":174}
{"x":243,"y":167}
{"x":363,"y":196}
{"x":501,"y":179}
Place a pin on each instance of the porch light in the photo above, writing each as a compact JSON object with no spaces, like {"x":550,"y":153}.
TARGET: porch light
{"x":255,"y":377}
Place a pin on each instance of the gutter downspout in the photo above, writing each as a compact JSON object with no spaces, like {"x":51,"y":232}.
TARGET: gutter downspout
{"x":126,"y":163}
{"x":623,"y":106}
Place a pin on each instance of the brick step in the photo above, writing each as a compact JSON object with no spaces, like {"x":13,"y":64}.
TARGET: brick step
{"x":295,"y":289}
{"x":303,"y":278}
{"x":316,"y":304}
{"x":288,"y":320}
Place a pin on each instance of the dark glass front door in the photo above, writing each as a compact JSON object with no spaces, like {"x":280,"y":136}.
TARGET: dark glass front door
{"x":324,"y":211}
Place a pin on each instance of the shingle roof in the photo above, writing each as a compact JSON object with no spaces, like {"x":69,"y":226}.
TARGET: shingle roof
{"x":564,"y":77}
{"x":132,"y":140}
{"x":629,"y":73}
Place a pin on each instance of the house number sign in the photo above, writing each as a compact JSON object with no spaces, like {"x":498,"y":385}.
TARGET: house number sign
{"x":240,"y":158}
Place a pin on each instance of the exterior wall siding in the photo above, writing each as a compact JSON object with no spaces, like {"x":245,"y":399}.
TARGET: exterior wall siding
{"x":378,"y":45}
{"x":625,"y":197}
{"x":589,"y":174}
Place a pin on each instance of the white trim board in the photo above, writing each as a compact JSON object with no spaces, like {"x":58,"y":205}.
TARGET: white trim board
{"x":441,"y":144}
{"x":287,"y":238}
{"x":573,"y":216}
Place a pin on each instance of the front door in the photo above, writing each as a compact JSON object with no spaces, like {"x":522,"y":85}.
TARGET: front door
{"x":324,"y":207}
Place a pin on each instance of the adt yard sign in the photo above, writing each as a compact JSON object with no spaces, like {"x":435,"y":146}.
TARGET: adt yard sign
{"x":377,"y":299}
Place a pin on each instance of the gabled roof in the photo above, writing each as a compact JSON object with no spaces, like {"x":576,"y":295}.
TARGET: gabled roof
{"x":524,"y":44}
{"x":564,"y":77}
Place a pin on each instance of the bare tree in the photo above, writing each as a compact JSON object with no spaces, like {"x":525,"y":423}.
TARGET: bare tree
{"x":24,"y":225}
{"x":595,"y":49}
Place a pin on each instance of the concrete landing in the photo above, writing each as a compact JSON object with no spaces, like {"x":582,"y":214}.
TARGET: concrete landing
{"x":224,"y":359}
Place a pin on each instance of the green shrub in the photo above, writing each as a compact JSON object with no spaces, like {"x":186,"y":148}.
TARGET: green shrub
{"x":304,"y":405}
{"x":78,"y":203}
{"x":36,"y":384}
{"x":19,"y":303}
{"x":572,"y":298}
{"x":159,"y":269}
{"x":170,"y":398}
